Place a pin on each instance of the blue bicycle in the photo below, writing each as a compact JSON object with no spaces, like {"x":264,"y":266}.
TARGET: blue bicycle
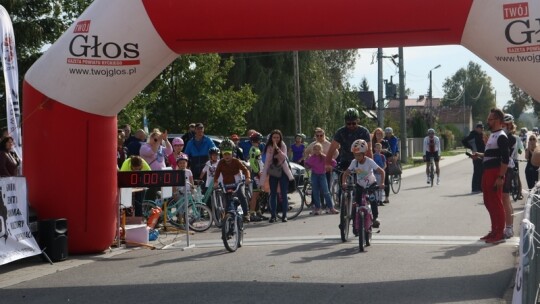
{"x":232,"y":229}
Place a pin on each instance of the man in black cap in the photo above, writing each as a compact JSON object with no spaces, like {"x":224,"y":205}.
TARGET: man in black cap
{"x":475,"y":142}
{"x":188,"y":135}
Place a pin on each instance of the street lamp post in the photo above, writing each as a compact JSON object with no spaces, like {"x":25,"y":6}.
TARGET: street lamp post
{"x":431,"y":96}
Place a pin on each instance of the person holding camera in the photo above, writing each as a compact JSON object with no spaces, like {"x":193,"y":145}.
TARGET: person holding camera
{"x":475,"y":142}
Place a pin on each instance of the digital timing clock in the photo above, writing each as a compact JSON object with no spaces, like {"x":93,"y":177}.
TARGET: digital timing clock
{"x":162,"y":178}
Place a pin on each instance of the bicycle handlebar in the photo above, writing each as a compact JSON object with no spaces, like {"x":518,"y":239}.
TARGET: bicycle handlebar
{"x":222,"y":187}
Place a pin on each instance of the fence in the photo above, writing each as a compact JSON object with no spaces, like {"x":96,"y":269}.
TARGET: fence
{"x":527,"y":281}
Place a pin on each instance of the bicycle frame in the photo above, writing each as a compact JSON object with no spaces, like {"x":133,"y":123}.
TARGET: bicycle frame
{"x":232,"y":228}
{"x":174,"y":210}
{"x":364,"y":208}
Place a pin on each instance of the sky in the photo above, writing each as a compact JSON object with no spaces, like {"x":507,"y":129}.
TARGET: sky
{"x":418,"y":61}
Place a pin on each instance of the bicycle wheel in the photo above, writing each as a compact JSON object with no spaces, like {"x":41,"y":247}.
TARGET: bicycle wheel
{"x":240,"y":224}
{"x":334,"y":191}
{"x":514,"y":189}
{"x":345,"y":216}
{"x":218,"y":209}
{"x":200,"y":217}
{"x":431,"y":174}
{"x":248,"y":193}
{"x":395,"y":183}
{"x":175,"y":213}
{"x":263,"y":202}
{"x":296,"y":205}
{"x":307,"y":191}
{"x":229,"y":233}
{"x":361,"y":229}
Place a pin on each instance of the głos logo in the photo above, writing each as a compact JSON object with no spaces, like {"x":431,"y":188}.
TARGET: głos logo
{"x":89,"y":49}
{"x":523,"y":30}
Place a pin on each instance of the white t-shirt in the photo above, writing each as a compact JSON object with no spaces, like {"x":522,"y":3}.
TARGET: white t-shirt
{"x":210,"y":169}
{"x":189,"y":174}
{"x":364,"y":172}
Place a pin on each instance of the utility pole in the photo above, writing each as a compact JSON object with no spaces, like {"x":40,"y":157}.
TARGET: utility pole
{"x":431,"y":121}
{"x":403,"y":116}
{"x":380,"y":103}
{"x":298,"y":114}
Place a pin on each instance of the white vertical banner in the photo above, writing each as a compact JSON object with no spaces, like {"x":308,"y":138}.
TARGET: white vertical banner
{"x":11,"y":77}
{"x":16,"y":239}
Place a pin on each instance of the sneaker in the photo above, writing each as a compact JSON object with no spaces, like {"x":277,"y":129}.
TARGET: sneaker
{"x":264,"y":218}
{"x":438,"y":180}
{"x":508,"y":232}
{"x":376,"y":224}
{"x":255,"y":218}
{"x":246,"y":218}
{"x":487,"y":236}
{"x":380,"y":203}
{"x":315,"y":211}
{"x":386,"y":201}
{"x":495,"y":240}
{"x":272,"y":220}
{"x":284,"y":219}
{"x":332,"y":211}
{"x":428,"y":179}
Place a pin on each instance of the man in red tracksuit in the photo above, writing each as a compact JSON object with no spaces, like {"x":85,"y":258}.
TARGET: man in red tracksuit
{"x":495,"y":161}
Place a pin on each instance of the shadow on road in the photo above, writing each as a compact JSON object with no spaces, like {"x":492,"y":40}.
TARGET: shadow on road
{"x":465,"y":289}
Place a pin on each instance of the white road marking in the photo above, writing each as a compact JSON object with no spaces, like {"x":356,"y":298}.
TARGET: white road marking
{"x":336,"y":239}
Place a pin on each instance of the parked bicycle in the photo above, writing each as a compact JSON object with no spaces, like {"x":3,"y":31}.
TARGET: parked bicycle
{"x":232,"y":230}
{"x":296,"y":206}
{"x":216,"y":205}
{"x":199,"y":214}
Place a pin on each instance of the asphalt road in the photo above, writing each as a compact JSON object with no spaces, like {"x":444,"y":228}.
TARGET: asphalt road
{"x":426,"y":251}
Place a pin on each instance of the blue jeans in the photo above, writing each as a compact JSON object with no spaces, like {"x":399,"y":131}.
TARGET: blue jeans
{"x":284,"y":185}
{"x":319,"y":184}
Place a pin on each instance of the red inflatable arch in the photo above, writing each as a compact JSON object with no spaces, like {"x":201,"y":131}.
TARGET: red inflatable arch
{"x":74,"y":91}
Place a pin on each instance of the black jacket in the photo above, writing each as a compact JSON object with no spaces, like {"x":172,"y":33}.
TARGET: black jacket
{"x":474,"y":141}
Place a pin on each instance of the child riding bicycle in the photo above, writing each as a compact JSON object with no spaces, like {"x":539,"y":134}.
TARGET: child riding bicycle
{"x":363,"y":167}
{"x":228,"y":167}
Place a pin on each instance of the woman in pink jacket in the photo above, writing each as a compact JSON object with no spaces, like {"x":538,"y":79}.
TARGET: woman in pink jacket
{"x":276,"y":157}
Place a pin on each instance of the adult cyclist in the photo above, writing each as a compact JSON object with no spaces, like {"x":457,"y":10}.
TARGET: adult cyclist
{"x":432,"y":148}
{"x":343,"y":140}
{"x":344,"y":137}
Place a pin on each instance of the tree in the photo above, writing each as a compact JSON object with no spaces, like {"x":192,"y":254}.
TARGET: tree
{"x":323,"y":89}
{"x":470,"y":86}
{"x":364,"y":86}
{"x":520,"y":102}
{"x":192,"y":89}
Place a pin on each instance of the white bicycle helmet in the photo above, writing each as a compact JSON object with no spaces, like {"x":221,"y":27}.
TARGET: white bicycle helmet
{"x":508,"y":118}
{"x":430,"y":131}
{"x":388,"y":130}
{"x":359,"y":146}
